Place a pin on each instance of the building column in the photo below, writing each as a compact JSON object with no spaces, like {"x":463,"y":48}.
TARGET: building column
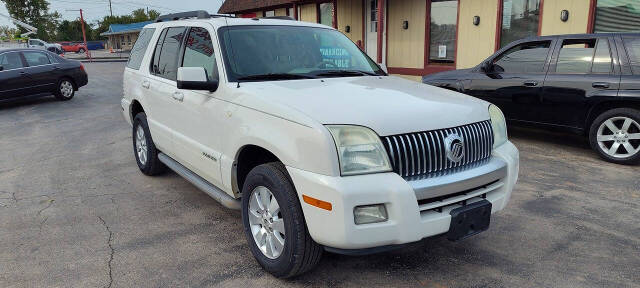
{"x":381,"y":6}
{"x":295,"y":11}
{"x":335,"y":14}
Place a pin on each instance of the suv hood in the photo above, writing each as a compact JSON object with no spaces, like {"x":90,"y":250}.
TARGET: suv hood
{"x":388,"y":105}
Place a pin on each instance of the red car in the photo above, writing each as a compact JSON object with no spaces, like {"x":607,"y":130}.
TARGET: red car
{"x":73,"y":47}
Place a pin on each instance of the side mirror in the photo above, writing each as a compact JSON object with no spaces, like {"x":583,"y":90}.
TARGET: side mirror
{"x":486,"y":67}
{"x":195,"y":78}
{"x":383,"y":67}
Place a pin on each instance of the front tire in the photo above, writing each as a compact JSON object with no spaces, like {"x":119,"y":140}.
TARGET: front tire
{"x":615,"y":135}
{"x":144,"y":150}
{"x":274,"y":223}
{"x":66,"y":90}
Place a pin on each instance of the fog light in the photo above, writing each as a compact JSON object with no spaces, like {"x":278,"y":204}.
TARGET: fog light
{"x":370,"y":214}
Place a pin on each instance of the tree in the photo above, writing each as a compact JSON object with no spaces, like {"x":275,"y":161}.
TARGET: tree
{"x":72,"y":31}
{"x":139,"y":15}
{"x":7,"y":32}
{"x":35,"y":13}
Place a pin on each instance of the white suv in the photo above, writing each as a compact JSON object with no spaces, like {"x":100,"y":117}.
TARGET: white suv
{"x":321,"y":150}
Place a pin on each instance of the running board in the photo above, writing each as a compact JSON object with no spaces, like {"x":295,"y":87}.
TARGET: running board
{"x":202,"y":184}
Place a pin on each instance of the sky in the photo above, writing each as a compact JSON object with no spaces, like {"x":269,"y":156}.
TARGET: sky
{"x":96,"y":9}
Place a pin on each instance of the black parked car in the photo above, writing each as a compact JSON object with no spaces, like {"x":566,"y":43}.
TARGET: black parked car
{"x":587,"y":83}
{"x":27,"y":72}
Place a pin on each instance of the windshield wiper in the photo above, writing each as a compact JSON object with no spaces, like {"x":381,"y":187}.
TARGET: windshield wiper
{"x":345,"y":73}
{"x":275,"y":76}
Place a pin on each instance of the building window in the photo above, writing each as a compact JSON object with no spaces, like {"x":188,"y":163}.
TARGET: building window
{"x":374,"y":16}
{"x":290,"y":12}
{"x":326,"y":13}
{"x":520,"y":19}
{"x":442,"y":37}
{"x":617,"y":16}
{"x":271,"y":13}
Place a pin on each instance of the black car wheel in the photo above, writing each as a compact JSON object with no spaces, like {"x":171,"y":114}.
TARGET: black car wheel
{"x":145,"y":151}
{"x":615,"y":135}
{"x":66,"y":90}
{"x":274,"y":223}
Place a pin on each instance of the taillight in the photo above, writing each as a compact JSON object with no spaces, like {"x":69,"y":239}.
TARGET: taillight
{"x":82,"y":67}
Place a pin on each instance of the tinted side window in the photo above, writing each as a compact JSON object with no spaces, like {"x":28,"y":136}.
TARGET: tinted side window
{"x":199,"y":52}
{"x":167,"y":64}
{"x":602,"y":62}
{"x":524,"y":58}
{"x":576,"y":56}
{"x":36,"y":58}
{"x":156,"y":54}
{"x":139,"y":49}
{"x":10,"y":61}
{"x":632,"y":45}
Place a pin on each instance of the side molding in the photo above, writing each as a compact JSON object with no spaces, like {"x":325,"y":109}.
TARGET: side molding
{"x":204,"y":185}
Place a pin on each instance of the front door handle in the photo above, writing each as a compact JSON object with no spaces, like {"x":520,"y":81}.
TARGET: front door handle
{"x":146,"y":84}
{"x":602,"y":85}
{"x":531,"y":83}
{"x":178,"y":96}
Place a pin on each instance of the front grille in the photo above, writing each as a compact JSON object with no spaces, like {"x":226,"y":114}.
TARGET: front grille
{"x":421,"y":153}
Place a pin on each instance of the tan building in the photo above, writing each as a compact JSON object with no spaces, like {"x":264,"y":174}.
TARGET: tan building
{"x":123,"y":36}
{"x":419,"y":37}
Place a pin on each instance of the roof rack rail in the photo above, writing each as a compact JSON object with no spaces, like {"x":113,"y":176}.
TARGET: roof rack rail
{"x":279,"y":18}
{"x":198,"y":14}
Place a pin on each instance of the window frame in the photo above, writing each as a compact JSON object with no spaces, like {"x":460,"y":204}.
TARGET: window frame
{"x":334,"y":17}
{"x":427,"y":39}
{"x":625,"y":57}
{"x":26,"y":63}
{"x":558,"y":48}
{"x":183,"y":49}
{"x":547,"y":63}
{"x":499,"y":23}
{"x":162,"y":37}
{"x":22,"y":60}
{"x":613,"y":51}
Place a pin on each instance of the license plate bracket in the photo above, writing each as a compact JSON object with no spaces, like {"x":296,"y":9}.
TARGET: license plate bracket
{"x":469,"y":220}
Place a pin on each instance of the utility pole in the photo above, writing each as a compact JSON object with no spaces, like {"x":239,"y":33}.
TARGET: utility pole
{"x":84,"y":35}
{"x":110,"y":9}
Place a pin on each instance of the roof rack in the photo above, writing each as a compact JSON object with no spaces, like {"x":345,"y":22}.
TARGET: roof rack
{"x":279,"y":18}
{"x":198,"y":14}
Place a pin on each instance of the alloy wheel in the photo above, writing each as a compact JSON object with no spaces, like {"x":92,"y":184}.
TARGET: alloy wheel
{"x":619,"y":137}
{"x":266,"y":223}
{"x":141,"y":145}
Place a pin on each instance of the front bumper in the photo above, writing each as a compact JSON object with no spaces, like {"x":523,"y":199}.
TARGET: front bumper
{"x":412,"y":217}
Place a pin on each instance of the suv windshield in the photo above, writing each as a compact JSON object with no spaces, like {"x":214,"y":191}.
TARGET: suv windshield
{"x":258,"y":53}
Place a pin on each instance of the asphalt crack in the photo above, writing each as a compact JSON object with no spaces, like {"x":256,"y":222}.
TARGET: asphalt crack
{"x":50,"y":202}
{"x":111,"y":251}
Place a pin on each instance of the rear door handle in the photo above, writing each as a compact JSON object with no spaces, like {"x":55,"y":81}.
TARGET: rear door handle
{"x":531,"y":83}
{"x":603,"y":85}
{"x":146,"y":84}
{"x":178,"y":96}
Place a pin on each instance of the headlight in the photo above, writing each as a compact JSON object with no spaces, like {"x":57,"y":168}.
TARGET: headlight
{"x":360,"y":150}
{"x":499,"y":125}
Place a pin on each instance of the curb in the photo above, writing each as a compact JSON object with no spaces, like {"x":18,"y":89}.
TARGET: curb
{"x":103,"y":60}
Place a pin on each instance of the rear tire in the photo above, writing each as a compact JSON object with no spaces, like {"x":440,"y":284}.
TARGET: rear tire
{"x":144,"y":150}
{"x":615,"y":135}
{"x":65,"y":90}
{"x":299,"y":253}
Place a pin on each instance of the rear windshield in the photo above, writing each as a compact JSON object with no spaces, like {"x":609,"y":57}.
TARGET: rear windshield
{"x":139,"y":49}
{"x":307,"y":51}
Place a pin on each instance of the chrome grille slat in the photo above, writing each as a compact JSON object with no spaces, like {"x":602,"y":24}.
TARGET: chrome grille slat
{"x":421,"y":153}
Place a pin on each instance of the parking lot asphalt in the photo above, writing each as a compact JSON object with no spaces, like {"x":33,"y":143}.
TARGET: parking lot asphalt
{"x":76,"y":212}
